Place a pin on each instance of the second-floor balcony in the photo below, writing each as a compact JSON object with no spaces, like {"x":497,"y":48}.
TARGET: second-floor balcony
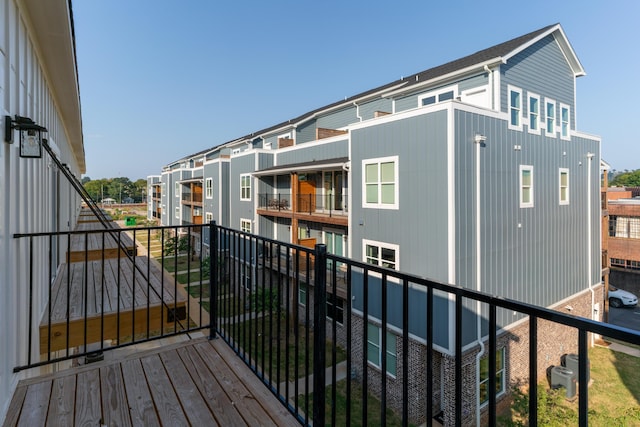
{"x":191,"y":198}
{"x":316,"y":207}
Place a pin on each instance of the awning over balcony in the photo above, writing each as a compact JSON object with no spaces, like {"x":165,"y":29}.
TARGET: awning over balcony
{"x":191,"y":180}
{"x":304,"y":167}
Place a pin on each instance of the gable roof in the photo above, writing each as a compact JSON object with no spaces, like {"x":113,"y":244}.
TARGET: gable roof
{"x":491,"y":56}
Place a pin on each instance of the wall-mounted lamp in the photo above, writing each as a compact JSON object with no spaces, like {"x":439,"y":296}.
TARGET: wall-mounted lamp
{"x":30,"y":135}
{"x":479,"y":138}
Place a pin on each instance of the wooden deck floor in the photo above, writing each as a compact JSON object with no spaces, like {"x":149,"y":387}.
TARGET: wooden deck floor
{"x":199,"y":382}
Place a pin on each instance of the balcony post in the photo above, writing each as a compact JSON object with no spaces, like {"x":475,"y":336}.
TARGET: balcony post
{"x":213,"y":275}
{"x":319,"y":335}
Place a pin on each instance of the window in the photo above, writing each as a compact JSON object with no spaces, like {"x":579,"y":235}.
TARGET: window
{"x":564,"y":121}
{"x":178,"y":213}
{"x":374,"y":344}
{"x":383,"y":254}
{"x":208,"y":217}
{"x":208,"y":188}
{"x":380,"y":183}
{"x":618,"y":262}
{"x":245,"y":187}
{"x":564,"y":186}
{"x":437,"y":96}
{"x":526,"y":186}
{"x":302,"y":294}
{"x":624,"y":226}
{"x":484,"y":376}
{"x":534,"y":113}
{"x":177,"y":189}
{"x":335,"y":312}
{"x":245,"y":225}
{"x":550,"y":112}
{"x":515,"y":108}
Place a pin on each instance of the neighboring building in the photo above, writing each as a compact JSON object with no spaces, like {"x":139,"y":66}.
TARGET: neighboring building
{"x":154,"y":201}
{"x":472,"y":173}
{"x":38,"y":80}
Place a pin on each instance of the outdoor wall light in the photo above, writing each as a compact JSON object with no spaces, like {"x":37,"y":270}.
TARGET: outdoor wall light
{"x":30,"y":135}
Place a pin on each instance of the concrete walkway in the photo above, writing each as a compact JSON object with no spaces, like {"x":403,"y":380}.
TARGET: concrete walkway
{"x":631,"y":351}
{"x":341,"y":373}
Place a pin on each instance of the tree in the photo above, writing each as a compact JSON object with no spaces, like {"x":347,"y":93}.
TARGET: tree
{"x":627,"y":179}
{"x":85,"y":179}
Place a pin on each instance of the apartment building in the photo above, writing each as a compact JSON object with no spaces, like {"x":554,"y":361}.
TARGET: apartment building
{"x":471,"y":173}
{"x":39,"y":96}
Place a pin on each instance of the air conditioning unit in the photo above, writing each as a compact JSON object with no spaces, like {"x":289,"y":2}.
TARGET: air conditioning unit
{"x":570,"y":361}
{"x":564,"y":377}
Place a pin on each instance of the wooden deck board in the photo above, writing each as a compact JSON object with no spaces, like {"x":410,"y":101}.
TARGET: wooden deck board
{"x":174,"y":385}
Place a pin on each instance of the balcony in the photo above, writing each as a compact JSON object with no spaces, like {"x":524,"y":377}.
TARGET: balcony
{"x":280,"y":323}
{"x":191,"y":198}
{"x":328,"y":209}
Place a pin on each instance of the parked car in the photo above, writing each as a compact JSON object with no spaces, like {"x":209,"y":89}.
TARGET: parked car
{"x":619,"y":298}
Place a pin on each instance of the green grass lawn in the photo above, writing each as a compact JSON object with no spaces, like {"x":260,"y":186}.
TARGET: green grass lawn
{"x":614,"y":395}
{"x":373,"y":407}
{"x":182,"y":263}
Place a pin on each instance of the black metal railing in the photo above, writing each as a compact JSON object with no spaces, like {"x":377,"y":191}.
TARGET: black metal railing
{"x":337,"y":341}
{"x":331,"y":205}
{"x":106,"y":295}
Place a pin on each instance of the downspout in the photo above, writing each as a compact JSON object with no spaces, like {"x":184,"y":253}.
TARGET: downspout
{"x":478,"y":140}
{"x":355,"y":104}
{"x":589,"y":240}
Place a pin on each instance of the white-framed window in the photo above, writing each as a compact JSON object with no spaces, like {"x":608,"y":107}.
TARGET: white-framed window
{"x":302,"y":294}
{"x":374,"y":348}
{"x":335,"y":312}
{"x":526,"y":186}
{"x":208,"y":217}
{"x":177,"y":213}
{"x":484,"y":376}
{"x":550,"y":117}
{"x":534,"y":113}
{"x":177,"y":189}
{"x":380,"y":183}
{"x":382,"y":254}
{"x":515,"y":107}
{"x":208,"y":188}
{"x":563,"y":186}
{"x":245,"y":225}
{"x":437,"y":96}
{"x":565,"y":114}
{"x":245,"y":187}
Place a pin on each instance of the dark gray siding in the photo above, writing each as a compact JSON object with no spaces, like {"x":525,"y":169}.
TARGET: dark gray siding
{"x":473,"y":82}
{"x":314,"y":153}
{"x":368,"y":109}
{"x":543,"y":70}
{"x":338,"y":119}
{"x":537,"y":255}
{"x":306,"y":132}
{"x":225,"y":209}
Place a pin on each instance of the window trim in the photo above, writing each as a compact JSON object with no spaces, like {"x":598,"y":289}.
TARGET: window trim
{"x":379,"y":348}
{"x":565,"y":135}
{"x":396,"y":192}
{"x":208,"y":217}
{"x":436,"y":94}
{"x":568,"y":186}
{"x":510,"y":107}
{"x":521,"y":187}
{"x":177,"y":189}
{"x":554,"y":122}
{"x":177,"y":211}
{"x":502,"y":378}
{"x":208,"y":188}
{"x":243,"y":225}
{"x":244,"y":187}
{"x":380,"y":246}
{"x":302,"y":291}
{"x":530,"y":115}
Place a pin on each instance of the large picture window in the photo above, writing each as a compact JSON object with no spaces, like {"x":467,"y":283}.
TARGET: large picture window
{"x":380,"y":183}
{"x":245,"y":187}
{"x":526,"y":186}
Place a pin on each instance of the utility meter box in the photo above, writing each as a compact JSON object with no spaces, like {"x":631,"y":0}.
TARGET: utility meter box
{"x":570,"y":361}
{"x":130,"y":221}
{"x":564,"y":377}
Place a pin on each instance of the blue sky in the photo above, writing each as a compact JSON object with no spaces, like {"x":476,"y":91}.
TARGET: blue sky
{"x":163,"y":79}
